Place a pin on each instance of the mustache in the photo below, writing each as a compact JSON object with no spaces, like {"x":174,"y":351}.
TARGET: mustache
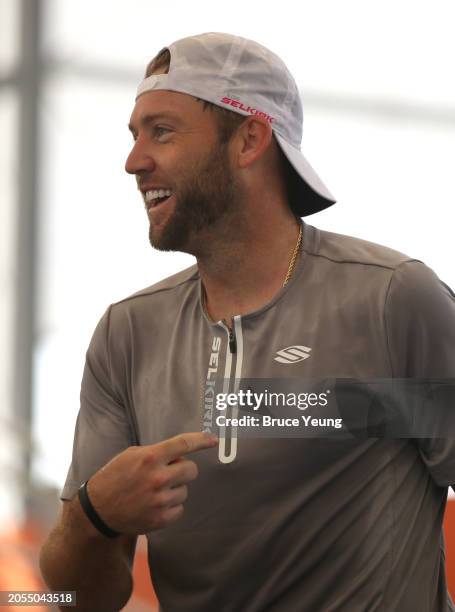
{"x":143,"y":181}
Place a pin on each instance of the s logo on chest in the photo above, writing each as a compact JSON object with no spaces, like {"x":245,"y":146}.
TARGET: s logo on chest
{"x":293,"y":354}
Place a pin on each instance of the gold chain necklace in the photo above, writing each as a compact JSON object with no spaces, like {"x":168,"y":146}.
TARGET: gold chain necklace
{"x":293,"y":258}
{"x":288,"y":274}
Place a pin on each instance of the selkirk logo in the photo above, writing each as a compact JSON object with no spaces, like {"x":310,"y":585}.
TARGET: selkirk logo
{"x":293,"y":354}
{"x":246,"y":108}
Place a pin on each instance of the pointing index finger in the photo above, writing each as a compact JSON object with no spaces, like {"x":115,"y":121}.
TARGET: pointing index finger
{"x":186,"y":443}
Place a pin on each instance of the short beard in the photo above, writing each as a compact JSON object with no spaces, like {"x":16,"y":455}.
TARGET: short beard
{"x":209,"y":198}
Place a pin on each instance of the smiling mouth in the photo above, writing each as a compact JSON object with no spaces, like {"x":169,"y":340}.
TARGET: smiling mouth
{"x":156,"y":197}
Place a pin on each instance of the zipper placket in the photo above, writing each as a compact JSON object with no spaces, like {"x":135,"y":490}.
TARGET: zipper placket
{"x":234,"y":347}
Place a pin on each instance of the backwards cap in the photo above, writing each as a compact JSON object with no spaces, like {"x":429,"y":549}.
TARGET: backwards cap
{"x":244,"y":77}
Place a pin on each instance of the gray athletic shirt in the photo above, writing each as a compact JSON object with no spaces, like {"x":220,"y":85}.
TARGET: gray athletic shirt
{"x":284,"y":525}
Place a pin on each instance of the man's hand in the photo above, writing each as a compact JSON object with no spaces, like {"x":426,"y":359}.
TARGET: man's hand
{"x":144,"y":487}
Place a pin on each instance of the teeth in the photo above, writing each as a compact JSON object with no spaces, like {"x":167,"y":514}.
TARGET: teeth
{"x":157,"y":193}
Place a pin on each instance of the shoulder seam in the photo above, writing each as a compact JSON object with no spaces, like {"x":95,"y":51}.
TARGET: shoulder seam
{"x":362,"y":263}
{"x":387,"y":339}
{"x":389,"y":353}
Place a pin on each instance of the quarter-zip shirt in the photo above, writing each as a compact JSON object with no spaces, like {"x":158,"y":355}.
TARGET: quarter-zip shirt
{"x":283,"y":524}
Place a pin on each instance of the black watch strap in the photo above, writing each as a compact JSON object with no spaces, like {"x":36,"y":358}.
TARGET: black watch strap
{"x":93,"y":515}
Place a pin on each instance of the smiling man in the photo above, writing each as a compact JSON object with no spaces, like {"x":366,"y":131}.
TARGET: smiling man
{"x":282,"y":523}
{"x":182,"y":170}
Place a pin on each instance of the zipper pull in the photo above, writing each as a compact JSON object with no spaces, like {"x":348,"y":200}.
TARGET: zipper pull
{"x":232,"y":339}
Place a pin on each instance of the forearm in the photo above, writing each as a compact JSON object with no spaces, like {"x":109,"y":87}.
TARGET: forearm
{"x":77,"y":558}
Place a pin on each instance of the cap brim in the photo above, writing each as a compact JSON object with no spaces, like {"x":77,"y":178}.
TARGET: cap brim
{"x":312,"y":195}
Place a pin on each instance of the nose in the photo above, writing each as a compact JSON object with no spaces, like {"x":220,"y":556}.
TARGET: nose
{"x":139,"y":159}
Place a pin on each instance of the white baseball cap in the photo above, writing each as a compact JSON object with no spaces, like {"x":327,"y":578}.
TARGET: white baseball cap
{"x":244,"y":77}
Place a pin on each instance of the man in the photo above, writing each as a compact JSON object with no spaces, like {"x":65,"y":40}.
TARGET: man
{"x":250,"y":524}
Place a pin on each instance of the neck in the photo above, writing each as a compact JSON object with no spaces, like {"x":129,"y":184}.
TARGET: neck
{"x":243,"y":273}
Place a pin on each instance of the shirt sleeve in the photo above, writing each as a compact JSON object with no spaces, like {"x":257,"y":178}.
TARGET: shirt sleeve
{"x":103,"y":426}
{"x":420,"y":328}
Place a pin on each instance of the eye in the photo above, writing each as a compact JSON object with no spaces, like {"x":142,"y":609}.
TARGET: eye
{"x":159,"y":131}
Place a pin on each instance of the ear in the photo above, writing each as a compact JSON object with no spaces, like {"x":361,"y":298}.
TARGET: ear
{"x":253,"y":139}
